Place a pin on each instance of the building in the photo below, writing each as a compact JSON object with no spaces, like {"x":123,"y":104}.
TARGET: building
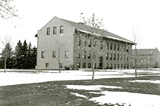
{"x":146,"y":58}
{"x":60,"y":43}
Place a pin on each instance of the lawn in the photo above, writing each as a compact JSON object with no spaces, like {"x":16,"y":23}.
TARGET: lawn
{"x":56,"y":93}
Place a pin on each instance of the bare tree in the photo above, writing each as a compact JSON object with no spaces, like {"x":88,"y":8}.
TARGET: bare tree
{"x":59,"y":46}
{"x":137,"y":40}
{"x":94,"y":22}
{"x":95,"y":41}
{"x":7,"y":9}
{"x":6,"y":50}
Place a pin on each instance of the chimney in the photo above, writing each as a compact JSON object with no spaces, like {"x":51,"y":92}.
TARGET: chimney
{"x":81,"y":19}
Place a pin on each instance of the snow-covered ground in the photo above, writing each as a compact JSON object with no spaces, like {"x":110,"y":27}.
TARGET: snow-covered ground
{"x":135,"y":99}
{"x":126,"y":98}
{"x":13,"y":78}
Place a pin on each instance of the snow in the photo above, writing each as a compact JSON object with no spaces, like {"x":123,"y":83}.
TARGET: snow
{"x":91,"y":87}
{"x":147,"y":81}
{"x":14,"y":78}
{"x":135,"y":99}
{"x":79,"y":95}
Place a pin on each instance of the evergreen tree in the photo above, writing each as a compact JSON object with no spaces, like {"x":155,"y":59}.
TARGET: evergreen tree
{"x":18,"y":55}
{"x":25,"y":55}
{"x":29,"y":57}
{"x":34,"y":57}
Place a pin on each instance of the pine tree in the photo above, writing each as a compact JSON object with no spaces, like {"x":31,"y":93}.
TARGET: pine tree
{"x":18,"y":55}
{"x":33,"y":57}
{"x":25,"y":54}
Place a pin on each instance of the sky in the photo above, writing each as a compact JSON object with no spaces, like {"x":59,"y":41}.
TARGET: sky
{"x":119,"y":17}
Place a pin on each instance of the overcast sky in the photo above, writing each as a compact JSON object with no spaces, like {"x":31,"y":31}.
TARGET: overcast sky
{"x":120,"y":16}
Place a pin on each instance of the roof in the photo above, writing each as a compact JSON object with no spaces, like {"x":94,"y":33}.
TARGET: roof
{"x":84,"y":28}
{"x":87,"y":29}
{"x":145,"y":51}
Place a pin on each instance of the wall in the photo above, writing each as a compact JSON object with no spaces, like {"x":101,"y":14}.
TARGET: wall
{"x":50,"y":43}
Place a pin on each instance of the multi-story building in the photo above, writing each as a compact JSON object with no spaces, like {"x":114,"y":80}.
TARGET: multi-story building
{"x":70,"y":44}
{"x":146,"y":58}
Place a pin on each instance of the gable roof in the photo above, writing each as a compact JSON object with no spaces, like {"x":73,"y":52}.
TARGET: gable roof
{"x":87,"y":29}
{"x":145,"y":51}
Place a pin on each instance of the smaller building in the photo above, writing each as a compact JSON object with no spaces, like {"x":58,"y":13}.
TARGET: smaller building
{"x":146,"y":58}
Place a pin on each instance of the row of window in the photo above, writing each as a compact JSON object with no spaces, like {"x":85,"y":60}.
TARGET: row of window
{"x":55,"y":30}
{"x":109,"y":46}
{"x":108,"y":56}
{"x":66,"y":54}
{"x":108,"y":66}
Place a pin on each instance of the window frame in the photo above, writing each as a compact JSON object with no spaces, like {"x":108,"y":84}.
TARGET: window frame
{"x":66,"y":55}
{"x":54,"y":54}
{"x":54,"y":30}
{"x":48,"y":31}
{"x":42,"y":54}
{"x":61,"y":30}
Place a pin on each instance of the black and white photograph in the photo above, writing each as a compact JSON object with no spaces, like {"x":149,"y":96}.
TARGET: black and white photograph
{"x":79,"y":53}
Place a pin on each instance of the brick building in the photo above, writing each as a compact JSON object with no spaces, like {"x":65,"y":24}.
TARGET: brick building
{"x":146,"y":58}
{"x":60,"y":41}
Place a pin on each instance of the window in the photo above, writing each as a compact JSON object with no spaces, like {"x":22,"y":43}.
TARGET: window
{"x":89,"y":65}
{"x":54,"y":54}
{"x":48,"y":31}
{"x":107,"y":66}
{"x":114,"y":46}
{"x":124,"y":47}
{"x":106,"y":56}
{"x":89,"y":56}
{"x":89,"y":43}
{"x":54,"y":30}
{"x":107,"y":45}
{"x":114,"y":57}
{"x":47,"y":65}
{"x":84,"y":54}
{"x":84,"y":43}
{"x":117,"y":56}
{"x":94,"y":42}
{"x":127,"y":49}
{"x":110,"y":46}
{"x":84,"y":65}
{"x":66,"y":54}
{"x":101,"y":45}
{"x":110,"y":56}
{"x":121,"y":65}
{"x":117,"y":47}
{"x":78,"y":41}
{"x":127,"y":58}
{"x":78,"y":65}
{"x":124,"y":57}
{"x":121,"y":57}
{"x":78,"y":55}
{"x":114,"y":66}
{"x":61,"y":29}
{"x":42,"y":54}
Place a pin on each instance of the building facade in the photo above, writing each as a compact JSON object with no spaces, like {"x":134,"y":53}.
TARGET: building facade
{"x":146,"y":58}
{"x":68,"y":44}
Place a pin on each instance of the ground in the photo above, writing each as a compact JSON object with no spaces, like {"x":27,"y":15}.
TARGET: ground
{"x":76,"y":87}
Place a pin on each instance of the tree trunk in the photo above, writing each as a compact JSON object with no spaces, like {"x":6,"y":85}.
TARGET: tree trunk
{"x":93,"y":71}
{"x":5,"y":60}
{"x":59,"y":60}
{"x":135,"y":61}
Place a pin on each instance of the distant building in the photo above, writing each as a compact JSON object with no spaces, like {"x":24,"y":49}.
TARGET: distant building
{"x":146,"y":58}
{"x":59,"y":38}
